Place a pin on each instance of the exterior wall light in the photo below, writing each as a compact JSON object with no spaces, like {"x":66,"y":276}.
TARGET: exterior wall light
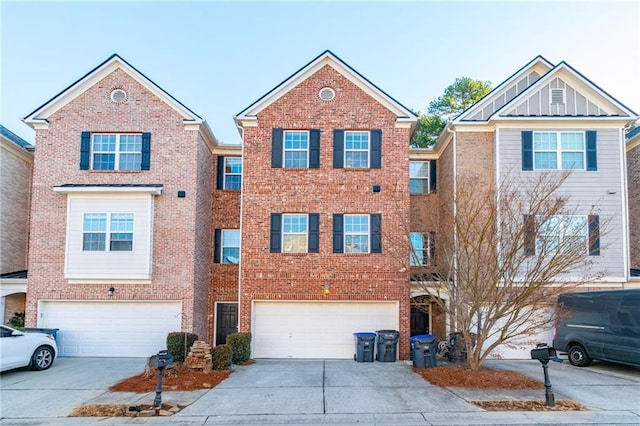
{"x":326,"y":289}
{"x":111,"y":291}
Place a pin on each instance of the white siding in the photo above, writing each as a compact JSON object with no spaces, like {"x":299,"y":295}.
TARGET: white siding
{"x":596,"y":192}
{"x":91,"y":265}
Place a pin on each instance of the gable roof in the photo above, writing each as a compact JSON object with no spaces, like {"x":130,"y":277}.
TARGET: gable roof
{"x":40,"y":114}
{"x":563,"y":70}
{"x":326,"y":58}
{"x":12,"y":137}
{"x":538,"y":65}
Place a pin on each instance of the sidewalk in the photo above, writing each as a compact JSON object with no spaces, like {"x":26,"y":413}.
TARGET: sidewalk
{"x":318,"y":392}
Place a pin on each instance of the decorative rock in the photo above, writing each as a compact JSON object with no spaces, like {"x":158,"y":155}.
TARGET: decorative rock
{"x":147,"y":413}
{"x":164,"y":413}
{"x":199,"y":356}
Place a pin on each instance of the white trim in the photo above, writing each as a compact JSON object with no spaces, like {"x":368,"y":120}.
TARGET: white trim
{"x":624,"y":200}
{"x":153,"y":190}
{"x":107,"y":281}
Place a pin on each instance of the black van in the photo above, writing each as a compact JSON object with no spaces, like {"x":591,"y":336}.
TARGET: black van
{"x":603,"y":325}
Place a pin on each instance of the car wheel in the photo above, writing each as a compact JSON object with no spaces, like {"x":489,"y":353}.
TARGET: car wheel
{"x":42,"y":358}
{"x":578,"y":356}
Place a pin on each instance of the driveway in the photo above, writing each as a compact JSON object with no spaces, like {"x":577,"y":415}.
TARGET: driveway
{"x":313,"y":392}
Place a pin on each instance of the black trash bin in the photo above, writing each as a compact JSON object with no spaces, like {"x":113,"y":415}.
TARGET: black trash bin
{"x":423,"y":350}
{"x":387,"y":345}
{"x":53,"y":332}
{"x":365,"y":345}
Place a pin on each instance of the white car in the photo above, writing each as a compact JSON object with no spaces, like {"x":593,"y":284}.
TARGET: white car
{"x":19,"y":349}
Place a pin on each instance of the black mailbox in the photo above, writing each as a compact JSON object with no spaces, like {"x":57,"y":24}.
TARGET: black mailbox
{"x":161,"y":360}
{"x":542,"y":352}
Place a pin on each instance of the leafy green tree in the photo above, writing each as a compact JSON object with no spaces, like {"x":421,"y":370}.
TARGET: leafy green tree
{"x":456,"y":98}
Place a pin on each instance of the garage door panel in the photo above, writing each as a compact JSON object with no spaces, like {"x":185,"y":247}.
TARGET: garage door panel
{"x":317,"y":329}
{"x":111,"y":329}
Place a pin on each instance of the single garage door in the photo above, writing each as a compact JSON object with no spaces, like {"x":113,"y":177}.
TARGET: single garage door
{"x":317,"y":329}
{"x":111,"y":329}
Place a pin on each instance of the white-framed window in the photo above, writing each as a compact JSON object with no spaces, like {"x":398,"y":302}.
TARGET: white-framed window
{"x":423,"y":249}
{"x":356,"y":233}
{"x":561,"y":232}
{"x":116,"y":151}
{"x":559,"y":150}
{"x":356,"y":149}
{"x":418,"y":177}
{"x":295,"y":230}
{"x":117,"y":226}
{"x":230,"y":246}
{"x":232,"y":173}
{"x":296,"y":149}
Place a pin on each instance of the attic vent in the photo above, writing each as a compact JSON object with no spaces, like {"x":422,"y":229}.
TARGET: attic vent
{"x":118,"y":96}
{"x":327,"y":94}
{"x":557,"y":96}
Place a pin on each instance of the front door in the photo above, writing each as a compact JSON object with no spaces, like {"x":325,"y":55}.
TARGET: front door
{"x":226,"y":321}
{"x":419,"y":320}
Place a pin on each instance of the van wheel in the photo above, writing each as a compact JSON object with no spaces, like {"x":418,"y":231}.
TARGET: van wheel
{"x":578,"y":356}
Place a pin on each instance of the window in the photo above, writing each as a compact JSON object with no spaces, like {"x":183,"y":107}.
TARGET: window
{"x":96,"y":227}
{"x":423,"y":245}
{"x":562,"y":233}
{"x":116,"y":152}
{"x":356,"y":233}
{"x":356,"y":149}
{"x":559,"y":150}
{"x":418,"y":177}
{"x":230,"y":246}
{"x":296,"y":149}
{"x":294,"y":233}
{"x":232,"y":173}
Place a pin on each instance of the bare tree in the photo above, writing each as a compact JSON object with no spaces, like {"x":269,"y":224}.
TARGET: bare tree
{"x":504,"y":254}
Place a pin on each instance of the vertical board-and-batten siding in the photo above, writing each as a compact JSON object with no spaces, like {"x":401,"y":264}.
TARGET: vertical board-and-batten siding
{"x":135,"y":264}
{"x":539,"y":103}
{"x":507,"y":94}
{"x":590,"y":192}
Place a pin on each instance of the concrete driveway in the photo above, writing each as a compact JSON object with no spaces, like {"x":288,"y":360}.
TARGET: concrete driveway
{"x":313,"y":392}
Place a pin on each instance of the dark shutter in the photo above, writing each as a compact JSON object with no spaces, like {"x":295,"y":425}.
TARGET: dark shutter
{"x":275,"y":243}
{"x":314,"y":149}
{"x":217,"y":247}
{"x":592,"y":150}
{"x":276,"y":148}
{"x":529,"y":235}
{"x":432,"y":249}
{"x":376,"y":232}
{"x":220,"y":173}
{"x":338,"y":150}
{"x":594,"y":235}
{"x":338,"y":233}
{"x":314,"y":233}
{"x":85,"y":150}
{"x":146,"y":151}
{"x":432,"y":176}
{"x":527,"y":150}
{"x":376,"y":149}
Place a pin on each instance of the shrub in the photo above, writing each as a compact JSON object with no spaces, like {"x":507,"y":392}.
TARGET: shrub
{"x":17,"y":320}
{"x":240,"y":346}
{"x":221,"y":357}
{"x":176,"y":344}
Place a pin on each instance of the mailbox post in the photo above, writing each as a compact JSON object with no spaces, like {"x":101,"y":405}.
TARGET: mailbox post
{"x":544,"y":354}
{"x":161,"y":360}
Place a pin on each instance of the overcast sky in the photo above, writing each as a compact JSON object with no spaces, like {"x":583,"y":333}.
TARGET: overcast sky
{"x":219,"y":57}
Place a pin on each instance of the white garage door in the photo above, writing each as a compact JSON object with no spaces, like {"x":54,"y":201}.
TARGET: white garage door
{"x":317,"y":329}
{"x":111,"y":329}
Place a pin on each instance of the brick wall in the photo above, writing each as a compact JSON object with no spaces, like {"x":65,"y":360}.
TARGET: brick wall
{"x":633,"y":182}
{"x":15,"y":181}
{"x":276,"y":276}
{"x":175,"y":152}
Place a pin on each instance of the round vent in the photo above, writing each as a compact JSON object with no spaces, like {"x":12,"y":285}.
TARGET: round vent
{"x":327,"y":94}
{"x":118,"y":96}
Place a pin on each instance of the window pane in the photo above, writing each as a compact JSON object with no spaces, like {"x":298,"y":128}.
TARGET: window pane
{"x":130,"y":143}
{"x":356,"y":243}
{"x":572,"y":141}
{"x":104,"y":143}
{"x":546,"y":160}
{"x":233,"y":182}
{"x":94,"y":222}
{"x":122,"y":222}
{"x":130,"y":162}
{"x":357,"y":140}
{"x":418,"y":186}
{"x":231,"y":238}
{"x":121,"y":241}
{"x":295,"y":159}
{"x":230,"y":255}
{"x":232,"y":165}
{"x":104,"y":161}
{"x":294,"y":223}
{"x":357,"y":159}
{"x":293,"y":243}
{"x":417,"y":254}
{"x":572,"y":160}
{"x":418,"y":169}
{"x":93,"y":242}
{"x":356,"y":224}
{"x":296,"y":140}
{"x":545,"y":141}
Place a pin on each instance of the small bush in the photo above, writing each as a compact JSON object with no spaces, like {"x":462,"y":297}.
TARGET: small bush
{"x":17,"y":320}
{"x":240,"y":346}
{"x":176,"y":344}
{"x":221,"y":357}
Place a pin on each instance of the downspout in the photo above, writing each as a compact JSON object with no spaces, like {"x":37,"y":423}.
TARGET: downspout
{"x":241,"y":129}
{"x":455,"y":233}
{"x":625,"y":207}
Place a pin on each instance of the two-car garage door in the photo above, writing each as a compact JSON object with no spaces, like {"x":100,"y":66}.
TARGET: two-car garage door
{"x":110,"y":329}
{"x":317,"y":329}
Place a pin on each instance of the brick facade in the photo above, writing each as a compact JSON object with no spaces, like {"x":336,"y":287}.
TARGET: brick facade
{"x":633,"y":183}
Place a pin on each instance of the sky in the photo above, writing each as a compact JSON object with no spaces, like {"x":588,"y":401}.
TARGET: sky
{"x":218,"y":57}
